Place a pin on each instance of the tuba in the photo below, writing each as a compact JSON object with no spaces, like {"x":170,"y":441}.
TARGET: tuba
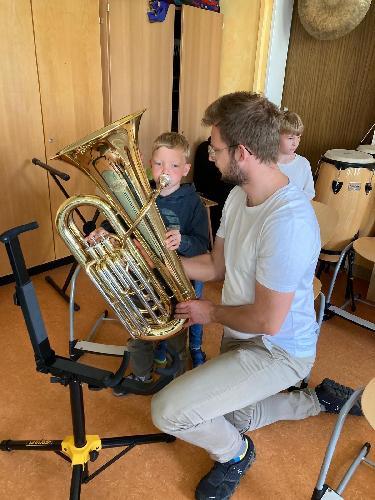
{"x":142,"y":285}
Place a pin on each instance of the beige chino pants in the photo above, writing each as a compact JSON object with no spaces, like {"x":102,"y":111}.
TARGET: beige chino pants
{"x":239,"y":390}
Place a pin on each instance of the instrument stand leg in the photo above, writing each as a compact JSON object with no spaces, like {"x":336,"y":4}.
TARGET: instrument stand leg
{"x":62,"y":291}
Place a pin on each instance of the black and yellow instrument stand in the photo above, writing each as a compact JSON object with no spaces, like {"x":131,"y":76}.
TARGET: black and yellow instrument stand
{"x":78,"y":449}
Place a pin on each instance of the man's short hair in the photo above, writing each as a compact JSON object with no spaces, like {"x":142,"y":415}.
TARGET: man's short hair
{"x":249,"y":119}
{"x":291,"y":123}
{"x":172,"y":140}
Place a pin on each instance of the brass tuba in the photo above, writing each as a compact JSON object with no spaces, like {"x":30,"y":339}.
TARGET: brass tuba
{"x":142,"y":295}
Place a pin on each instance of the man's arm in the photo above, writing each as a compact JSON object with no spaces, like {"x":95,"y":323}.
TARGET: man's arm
{"x":266,"y":315}
{"x":207,"y":267}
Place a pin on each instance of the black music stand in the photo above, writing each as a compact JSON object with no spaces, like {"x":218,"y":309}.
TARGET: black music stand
{"x":80,"y":448}
{"x":88,"y":226}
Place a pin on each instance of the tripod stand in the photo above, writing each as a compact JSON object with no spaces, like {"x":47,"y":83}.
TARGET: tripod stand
{"x":88,"y":226}
{"x":79,"y":448}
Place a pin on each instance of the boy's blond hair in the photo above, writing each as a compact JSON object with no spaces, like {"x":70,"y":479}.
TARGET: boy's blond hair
{"x":291,"y":123}
{"x":172,"y":140}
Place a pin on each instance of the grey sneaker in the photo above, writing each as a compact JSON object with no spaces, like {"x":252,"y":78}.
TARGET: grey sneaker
{"x":223,"y":479}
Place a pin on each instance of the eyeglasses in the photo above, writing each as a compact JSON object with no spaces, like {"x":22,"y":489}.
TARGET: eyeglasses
{"x":212,"y":151}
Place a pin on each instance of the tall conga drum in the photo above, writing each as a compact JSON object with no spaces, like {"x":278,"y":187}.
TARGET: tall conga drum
{"x":368,"y":222}
{"x":345,"y":181}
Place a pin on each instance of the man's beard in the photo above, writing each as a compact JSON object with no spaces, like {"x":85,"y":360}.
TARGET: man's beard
{"x":234,"y":174}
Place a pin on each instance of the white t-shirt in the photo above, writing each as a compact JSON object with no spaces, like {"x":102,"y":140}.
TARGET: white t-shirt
{"x":299,"y":173}
{"x":277,"y":244}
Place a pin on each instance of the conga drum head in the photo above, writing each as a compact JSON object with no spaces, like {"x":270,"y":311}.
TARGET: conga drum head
{"x":343,"y":183}
{"x":367,"y":148}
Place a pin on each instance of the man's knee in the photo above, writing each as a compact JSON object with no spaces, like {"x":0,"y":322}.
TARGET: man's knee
{"x":161,"y":411}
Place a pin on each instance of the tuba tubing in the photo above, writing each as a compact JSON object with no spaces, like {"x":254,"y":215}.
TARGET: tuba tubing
{"x":142,"y":296}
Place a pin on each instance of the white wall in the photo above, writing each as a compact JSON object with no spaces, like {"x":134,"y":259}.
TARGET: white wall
{"x":278,"y":51}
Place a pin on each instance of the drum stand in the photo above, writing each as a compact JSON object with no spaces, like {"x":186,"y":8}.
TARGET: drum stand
{"x":79,"y":448}
{"x":87,"y":225}
{"x":351,"y":298}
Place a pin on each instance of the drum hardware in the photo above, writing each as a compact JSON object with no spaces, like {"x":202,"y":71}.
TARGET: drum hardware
{"x":368,"y":185}
{"x":348,"y":254}
{"x":371,"y":129}
{"x":88,"y":226}
{"x":316,"y":173}
{"x":336,"y":186}
{"x":80,"y":448}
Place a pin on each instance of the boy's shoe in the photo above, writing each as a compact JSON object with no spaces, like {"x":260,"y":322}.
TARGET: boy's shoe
{"x":333,"y":396}
{"x":122,"y":390}
{"x":223,"y":479}
{"x":160,"y":363}
{"x":198,"y":357}
{"x":160,"y":354}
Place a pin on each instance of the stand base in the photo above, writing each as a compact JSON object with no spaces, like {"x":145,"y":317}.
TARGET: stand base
{"x":80,"y":472}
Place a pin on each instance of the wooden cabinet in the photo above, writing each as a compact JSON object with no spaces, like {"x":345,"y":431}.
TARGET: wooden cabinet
{"x":138,"y":67}
{"x":67,"y":44}
{"x":65,"y":64}
{"x":24,"y":188}
{"x":201,"y":35}
{"x":50,"y":96}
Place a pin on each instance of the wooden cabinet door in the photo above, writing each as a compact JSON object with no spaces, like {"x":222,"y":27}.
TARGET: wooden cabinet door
{"x":24,"y":187}
{"x":201,"y":36}
{"x":139,"y":65}
{"x":67,"y":41}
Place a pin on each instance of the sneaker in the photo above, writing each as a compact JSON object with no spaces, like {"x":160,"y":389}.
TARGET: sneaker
{"x":333,"y":396}
{"x":160,"y":354}
{"x":198,"y":357}
{"x":123,"y":388}
{"x":223,"y":479}
{"x":160,"y":363}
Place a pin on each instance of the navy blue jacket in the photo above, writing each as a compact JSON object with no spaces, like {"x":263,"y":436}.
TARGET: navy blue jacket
{"x":184,"y":210}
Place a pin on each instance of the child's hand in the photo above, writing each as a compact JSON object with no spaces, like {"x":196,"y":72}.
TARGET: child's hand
{"x":172,"y":239}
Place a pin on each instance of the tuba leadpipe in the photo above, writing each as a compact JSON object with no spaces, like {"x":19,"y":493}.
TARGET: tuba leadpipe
{"x":142,"y":295}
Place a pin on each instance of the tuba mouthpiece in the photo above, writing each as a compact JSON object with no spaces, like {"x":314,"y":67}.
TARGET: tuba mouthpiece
{"x":164,"y":180}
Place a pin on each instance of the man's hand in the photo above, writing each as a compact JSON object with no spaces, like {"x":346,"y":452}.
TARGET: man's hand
{"x":172,"y":239}
{"x":196,"y":312}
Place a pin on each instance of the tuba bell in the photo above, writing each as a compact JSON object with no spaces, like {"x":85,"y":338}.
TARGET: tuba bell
{"x":142,"y":294}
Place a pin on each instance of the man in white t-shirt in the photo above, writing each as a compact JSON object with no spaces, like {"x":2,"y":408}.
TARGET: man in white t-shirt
{"x":266,"y":251}
{"x":297,"y":168}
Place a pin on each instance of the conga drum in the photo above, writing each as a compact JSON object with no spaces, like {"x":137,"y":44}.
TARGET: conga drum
{"x":345,"y":182}
{"x":368,"y":221}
